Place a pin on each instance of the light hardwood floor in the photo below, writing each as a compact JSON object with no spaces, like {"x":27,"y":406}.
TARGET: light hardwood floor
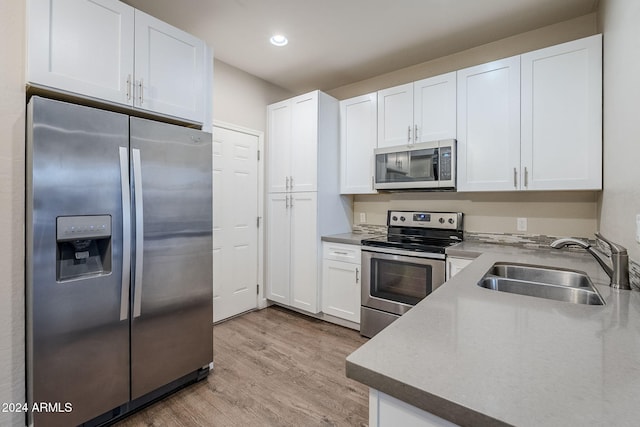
{"x":273,"y":367}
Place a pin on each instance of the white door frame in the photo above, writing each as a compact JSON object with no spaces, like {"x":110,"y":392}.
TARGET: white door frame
{"x":261,"y":299}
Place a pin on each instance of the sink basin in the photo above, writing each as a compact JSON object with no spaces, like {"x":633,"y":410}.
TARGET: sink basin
{"x":542,"y":282}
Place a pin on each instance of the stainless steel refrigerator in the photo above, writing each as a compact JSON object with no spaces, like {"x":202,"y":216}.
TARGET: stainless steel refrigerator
{"x":119,"y":261}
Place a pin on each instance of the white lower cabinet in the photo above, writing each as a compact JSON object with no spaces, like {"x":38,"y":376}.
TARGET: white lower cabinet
{"x":387,"y":411}
{"x":341,"y":282}
{"x":455,"y":265}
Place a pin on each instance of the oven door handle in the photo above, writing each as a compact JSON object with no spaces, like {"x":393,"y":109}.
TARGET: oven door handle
{"x":400,"y":252}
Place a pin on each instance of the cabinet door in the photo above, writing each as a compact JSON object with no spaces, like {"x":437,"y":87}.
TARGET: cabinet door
{"x":82,"y":46}
{"x":278,"y":246}
{"x":341,"y":289}
{"x":279,"y":146}
{"x":455,"y":265}
{"x":170,"y":69}
{"x":304,"y":251}
{"x":489,"y":126}
{"x":395,"y":116}
{"x":358,"y":133}
{"x":304,"y":142}
{"x":562,"y":116}
{"x":434,"y":108}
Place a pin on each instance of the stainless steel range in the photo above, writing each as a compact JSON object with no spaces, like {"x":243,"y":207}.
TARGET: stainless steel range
{"x":406,"y":265}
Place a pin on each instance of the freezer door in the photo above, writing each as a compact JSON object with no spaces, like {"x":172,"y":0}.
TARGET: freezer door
{"x":77,"y":320}
{"x":171,"y":329}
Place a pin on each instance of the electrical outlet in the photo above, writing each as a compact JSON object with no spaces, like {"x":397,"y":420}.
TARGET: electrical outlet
{"x":363,"y":218}
{"x":521,"y":224}
{"x":638,"y":228}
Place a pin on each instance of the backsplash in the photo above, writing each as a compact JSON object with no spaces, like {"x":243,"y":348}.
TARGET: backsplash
{"x":530,"y":241}
{"x":369,"y":229}
{"x":634,"y":275}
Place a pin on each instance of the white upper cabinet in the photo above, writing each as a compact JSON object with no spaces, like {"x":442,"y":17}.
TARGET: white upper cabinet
{"x":107,"y":50}
{"x":82,"y":46}
{"x":418,"y":112}
{"x":169,"y":69}
{"x":434,"y":108}
{"x":358,"y":133}
{"x":395,"y":116}
{"x":562,"y":116}
{"x":489,"y":126}
{"x":534,"y":121}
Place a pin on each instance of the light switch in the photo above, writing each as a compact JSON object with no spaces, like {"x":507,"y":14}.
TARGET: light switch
{"x":363,"y":218}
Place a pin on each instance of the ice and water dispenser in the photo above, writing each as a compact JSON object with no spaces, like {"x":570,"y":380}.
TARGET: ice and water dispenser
{"x":83,"y":246}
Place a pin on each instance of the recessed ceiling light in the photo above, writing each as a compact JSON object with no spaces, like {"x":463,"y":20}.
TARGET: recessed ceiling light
{"x":279,"y":40}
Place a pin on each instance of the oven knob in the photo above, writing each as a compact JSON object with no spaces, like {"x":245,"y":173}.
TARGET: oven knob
{"x":395,"y":218}
{"x":451,"y":221}
{"x":441,"y":220}
{"x":402,"y":218}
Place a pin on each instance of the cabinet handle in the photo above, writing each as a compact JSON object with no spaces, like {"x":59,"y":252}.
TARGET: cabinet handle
{"x":340,"y":253}
{"x":515,"y":178}
{"x":526,"y":177}
{"x":291,"y":201}
{"x":141,"y":94}
{"x":415,"y":133}
{"x":129,"y":87}
{"x":409,"y":134}
{"x":291,"y":181}
{"x":373,"y":183}
{"x":357,"y":275}
{"x":286,"y":201}
{"x":287,"y":186}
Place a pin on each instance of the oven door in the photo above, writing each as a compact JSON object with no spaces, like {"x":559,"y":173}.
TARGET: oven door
{"x":394,"y":283}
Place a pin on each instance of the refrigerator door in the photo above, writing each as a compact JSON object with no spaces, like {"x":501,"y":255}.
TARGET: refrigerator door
{"x":77,"y":318}
{"x":171,"y":329}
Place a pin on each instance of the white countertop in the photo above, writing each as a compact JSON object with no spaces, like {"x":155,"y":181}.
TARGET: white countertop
{"x":476,"y":356}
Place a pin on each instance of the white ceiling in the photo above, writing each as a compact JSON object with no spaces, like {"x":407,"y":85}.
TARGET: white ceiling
{"x":336,"y":42}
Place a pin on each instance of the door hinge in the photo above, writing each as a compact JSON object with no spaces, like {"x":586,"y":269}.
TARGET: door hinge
{"x":258,"y":289}
{"x":258,"y":155}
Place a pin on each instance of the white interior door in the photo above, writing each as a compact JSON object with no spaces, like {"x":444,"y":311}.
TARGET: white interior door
{"x":235,"y":228}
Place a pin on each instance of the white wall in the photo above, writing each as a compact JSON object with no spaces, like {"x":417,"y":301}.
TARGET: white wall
{"x":551,"y":213}
{"x":241,"y":98}
{"x":620,"y":201}
{"x":12,"y":123}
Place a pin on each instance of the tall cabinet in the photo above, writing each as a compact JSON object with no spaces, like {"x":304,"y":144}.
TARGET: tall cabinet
{"x":304,"y":200}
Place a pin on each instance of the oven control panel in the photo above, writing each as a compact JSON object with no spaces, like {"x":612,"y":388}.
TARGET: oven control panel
{"x":443,"y":220}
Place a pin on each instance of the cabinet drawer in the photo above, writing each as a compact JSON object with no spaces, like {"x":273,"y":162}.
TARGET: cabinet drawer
{"x":341,"y":252}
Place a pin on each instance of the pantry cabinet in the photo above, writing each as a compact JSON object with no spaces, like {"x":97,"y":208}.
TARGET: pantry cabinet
{"x":533,"y":121}
{"x":295,"y":127}
{"x":111,"y":52}
{"x":358,"y":133}
{"x":421,"y":111}
{"x":292,"y":256}
{"x":341,"y":275}
{"x":303,"y":153}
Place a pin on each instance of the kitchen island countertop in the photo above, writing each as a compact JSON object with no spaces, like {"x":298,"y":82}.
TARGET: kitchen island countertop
{"x":478,"y":357}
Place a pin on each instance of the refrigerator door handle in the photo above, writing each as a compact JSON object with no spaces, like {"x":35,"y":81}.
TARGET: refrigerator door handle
{"x":126,"y":233}
{"x":137,"y":188}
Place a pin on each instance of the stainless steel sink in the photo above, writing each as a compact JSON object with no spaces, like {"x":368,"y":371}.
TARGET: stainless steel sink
{"x":542,"y":282}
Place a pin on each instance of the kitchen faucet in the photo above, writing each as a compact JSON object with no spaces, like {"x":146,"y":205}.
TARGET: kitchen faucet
{"x":618,"y":272}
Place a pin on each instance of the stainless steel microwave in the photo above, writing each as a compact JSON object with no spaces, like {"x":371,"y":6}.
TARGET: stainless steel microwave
{"x":423,"y":166}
